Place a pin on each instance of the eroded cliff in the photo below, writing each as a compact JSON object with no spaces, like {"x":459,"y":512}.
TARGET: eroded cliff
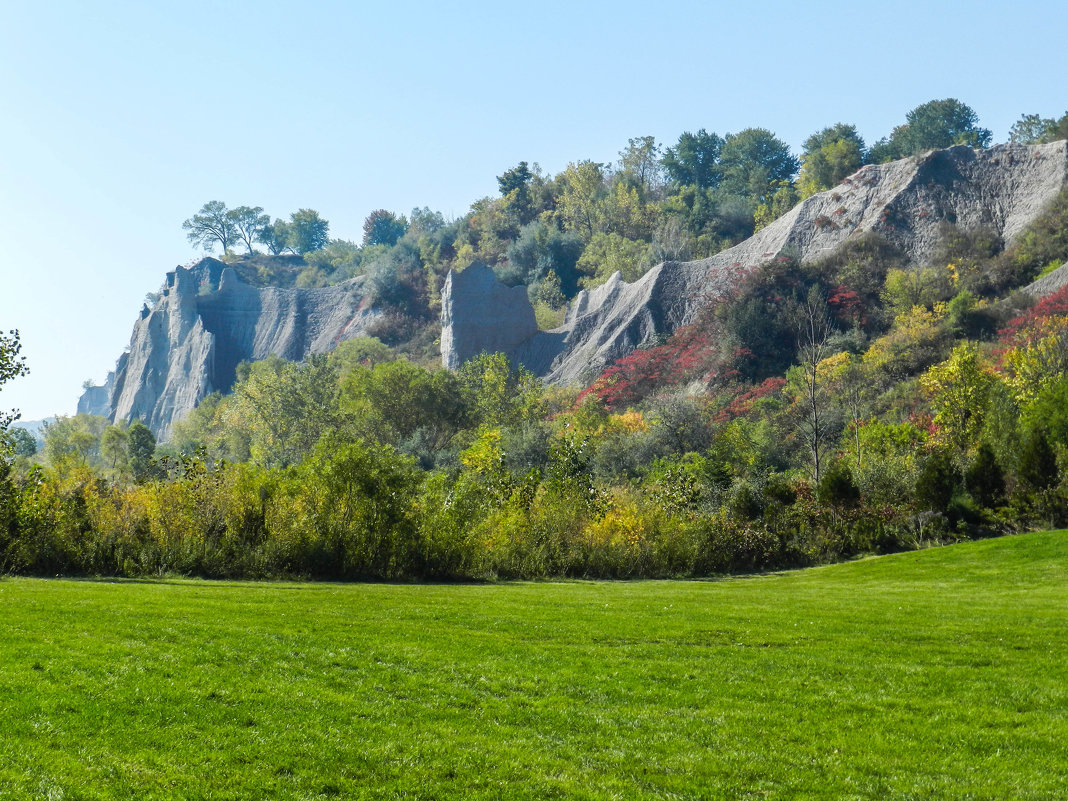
{"x":206,"y":321}
{"x":907,"y":201}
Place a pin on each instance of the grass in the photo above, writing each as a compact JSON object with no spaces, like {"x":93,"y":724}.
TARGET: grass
{"x":938,"y":674}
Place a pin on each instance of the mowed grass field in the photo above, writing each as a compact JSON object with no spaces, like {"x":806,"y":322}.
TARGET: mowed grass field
{"x":940,"y":674}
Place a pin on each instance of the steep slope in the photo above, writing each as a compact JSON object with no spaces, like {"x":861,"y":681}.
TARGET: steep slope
{"x":205,"y":323}
{"x":1003,"y":188}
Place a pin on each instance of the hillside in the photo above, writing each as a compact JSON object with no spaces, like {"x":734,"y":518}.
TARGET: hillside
{"x":1002,"y":189}
{"x":209,"y":318}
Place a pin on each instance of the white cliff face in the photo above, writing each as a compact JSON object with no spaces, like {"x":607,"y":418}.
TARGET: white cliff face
{"x":208,"y":320}
{"x":479,"y":313}
{"x":1004,"y":188}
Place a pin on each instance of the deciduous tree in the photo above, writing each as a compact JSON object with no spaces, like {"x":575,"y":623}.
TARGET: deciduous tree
{"x":211,"y":226}
{"x":307,"y":231}
{"x":12,"y":365}
{"x":694,"y":161}
{"x":249,"y":224}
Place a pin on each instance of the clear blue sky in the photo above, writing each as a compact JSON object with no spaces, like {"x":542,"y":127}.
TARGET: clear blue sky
{"x":120,"y":119}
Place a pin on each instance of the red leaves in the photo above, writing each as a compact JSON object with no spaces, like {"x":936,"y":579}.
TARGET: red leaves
{"x":743,"y":402}
{"x":683,"y":357}
{"x":1022,"y":329}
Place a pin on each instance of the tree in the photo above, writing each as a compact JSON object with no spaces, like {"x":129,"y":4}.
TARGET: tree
{"x":275,"y":236}
{"x":1032,"y":129}
{"x":813,"y":336}
{"x":141,"y":447}
{"x":515,"y":191}
{"x":1037,"y":463}
{"x":210,"y":226}
{"x":754,"y":160}
{"x":984,"y":479}
{"x":838,"y":487}
{"x":959,"y":389}
{"x":383,"y":228}
{"x":285,"y":408}
{"x":694,"y":161}
{"x":936,"y":483}
{"x":19,"y":441}
{"x":425,"y":221}
{"x":829,"y":156}
{"x":249,"y":224}
{"x":12,"y":365}
{"x":114,"y":444}
{"x":307,"y":231}
{"x":639,"y":164}
{"x":579,"y":203}
{"x":937,"y":124}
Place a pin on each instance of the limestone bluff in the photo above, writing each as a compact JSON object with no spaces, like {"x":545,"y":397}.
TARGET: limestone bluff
{"x":208,"y":319}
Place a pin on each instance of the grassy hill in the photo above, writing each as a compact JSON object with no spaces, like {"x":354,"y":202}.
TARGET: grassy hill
{"x":933,"y":674}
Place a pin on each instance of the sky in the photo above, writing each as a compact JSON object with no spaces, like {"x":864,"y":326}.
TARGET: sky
{"x":119,"y":120}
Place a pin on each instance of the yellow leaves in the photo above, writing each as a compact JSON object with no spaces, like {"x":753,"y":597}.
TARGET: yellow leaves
{"x":485,"y":456}
{"x":624,"y":526}
{"x":1032,"y":366}
{"x":916,"y":337}
{"x":833,"y":367}
{"x":960,"y":390}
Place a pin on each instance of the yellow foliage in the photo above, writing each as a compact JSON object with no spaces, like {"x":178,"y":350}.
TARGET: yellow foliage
{"x":623,"y":526}
{"x":1034,"y":365}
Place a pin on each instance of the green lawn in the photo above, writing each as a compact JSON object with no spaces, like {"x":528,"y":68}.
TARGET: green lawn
{"x":941,"y":674}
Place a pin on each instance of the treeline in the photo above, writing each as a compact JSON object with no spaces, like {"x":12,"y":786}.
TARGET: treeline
{"x":557,"y":234}
{"x":816,"y":411}
{"x":889,"y":409}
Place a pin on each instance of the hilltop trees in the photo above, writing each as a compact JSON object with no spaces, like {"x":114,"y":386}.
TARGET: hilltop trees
{"x":307,"y":231}
{"x":694,"y":161}
{"x":216,"y":225}
{"x":938,"y":123}
{"x":211,"y":226}
{"x":1032,"y":129}
{"x":249,"y":224}
{"x":829,"y":156}
{"x":383,"y":228}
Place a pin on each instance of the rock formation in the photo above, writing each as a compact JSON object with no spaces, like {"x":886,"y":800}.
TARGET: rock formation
{"x":208,"y":319}
{"x":1003,"y":188}
{"x":1049,"y":283}
{"x":205,"y":323}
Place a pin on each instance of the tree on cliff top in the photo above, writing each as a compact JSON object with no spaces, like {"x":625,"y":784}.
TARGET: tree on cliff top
{"x":937,"y":124}
{"x":249,"y":224}
{"x":307,"y":231}
{"x":212,"y":224}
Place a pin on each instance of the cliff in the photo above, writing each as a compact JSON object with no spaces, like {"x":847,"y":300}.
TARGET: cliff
{"x":205,"y":323}
{"x":1003,"y":188}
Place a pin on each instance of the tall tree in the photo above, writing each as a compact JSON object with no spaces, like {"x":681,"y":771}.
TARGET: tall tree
{"x":307,"y":231}
{"x":383,"y":228}
{"x":210,"y":226}
{"x":639,"y":164}
{"x":579,"y":203}
{"x":249,"y":224}
{"x":275,"y":236}
{"x":813,"y":338}
{"x":754,"y":161}
{"x":936,"y":124}
{"x":694,"y":161}
{"x":141,"y":446}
